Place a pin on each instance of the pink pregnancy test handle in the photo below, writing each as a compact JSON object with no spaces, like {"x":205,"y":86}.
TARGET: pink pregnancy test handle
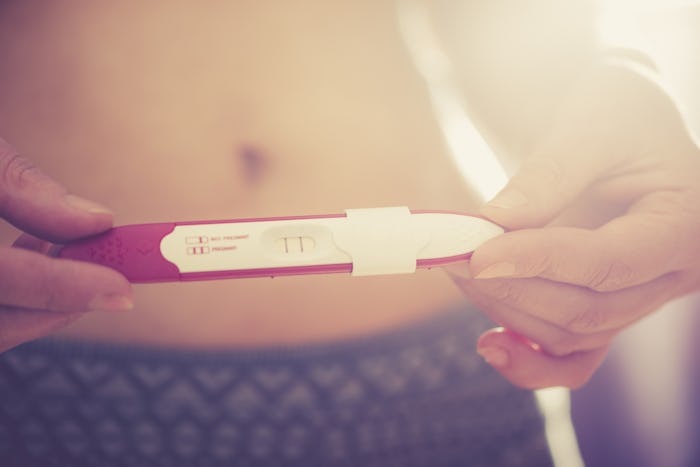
{"x":362,"y":242}
{"x":133,"y":250}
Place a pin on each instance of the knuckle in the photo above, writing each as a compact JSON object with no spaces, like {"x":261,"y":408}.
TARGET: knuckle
{"x":15,"y":170}
{"x":543,"y":263}
{"x":614,"y":276}
{"x":51,"y":293}
{"x":506,"y":291}
{"x":12,"y":165}
{"x":586,"y":321}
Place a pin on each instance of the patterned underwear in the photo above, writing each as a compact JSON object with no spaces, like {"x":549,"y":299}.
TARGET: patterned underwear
{"x":416,"y":396}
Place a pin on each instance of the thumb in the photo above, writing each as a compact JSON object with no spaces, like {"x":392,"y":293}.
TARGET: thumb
{"x":546,"y":183}
{"x":35,"y":203}
{"x":582,"y":146}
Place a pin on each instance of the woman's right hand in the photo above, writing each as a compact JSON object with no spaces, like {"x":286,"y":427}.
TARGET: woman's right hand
{"x":40,"y":294}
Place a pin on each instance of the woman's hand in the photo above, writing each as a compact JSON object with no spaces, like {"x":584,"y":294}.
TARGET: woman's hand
{"x":604,"y":223}
{"x":39,"y":294}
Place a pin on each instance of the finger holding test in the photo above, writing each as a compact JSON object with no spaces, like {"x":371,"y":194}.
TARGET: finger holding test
{"x":558,"y":172}
{"x":35,"y":203}
{"x":627,"y":251}
{"x":34,"y":281}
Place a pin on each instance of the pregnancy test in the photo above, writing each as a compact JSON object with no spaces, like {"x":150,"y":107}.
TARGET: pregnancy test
{"x":360,"y":242}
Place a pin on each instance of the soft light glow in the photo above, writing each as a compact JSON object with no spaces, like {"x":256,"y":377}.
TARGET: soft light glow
{"x":667,"y":31}
{"x":620,"y":20}
{"x":484,"y":174}
{"x":473,"y":158}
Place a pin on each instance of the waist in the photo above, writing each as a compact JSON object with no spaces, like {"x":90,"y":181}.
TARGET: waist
{"x":416,"y":396}
{"x":284,"y":310}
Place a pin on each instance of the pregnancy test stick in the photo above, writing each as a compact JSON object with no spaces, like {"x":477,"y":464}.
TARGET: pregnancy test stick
{"x":360,"y":242}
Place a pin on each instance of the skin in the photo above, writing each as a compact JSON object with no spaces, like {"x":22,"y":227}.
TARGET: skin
{"x":41,"y":294}
{"x":604,"y":222}
{"x":168,"y":111}
{"x":563,"y":282}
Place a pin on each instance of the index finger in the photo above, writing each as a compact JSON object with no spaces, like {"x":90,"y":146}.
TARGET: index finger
{"x":656,"y":237}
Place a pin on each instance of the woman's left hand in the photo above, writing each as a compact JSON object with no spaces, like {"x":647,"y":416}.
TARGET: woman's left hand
{"x":604,"y":228}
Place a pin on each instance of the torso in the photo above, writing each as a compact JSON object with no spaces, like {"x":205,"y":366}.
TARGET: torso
{"x":177,"y":111}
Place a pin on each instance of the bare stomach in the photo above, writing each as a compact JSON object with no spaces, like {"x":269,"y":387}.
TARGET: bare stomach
{"x":195,"y":115}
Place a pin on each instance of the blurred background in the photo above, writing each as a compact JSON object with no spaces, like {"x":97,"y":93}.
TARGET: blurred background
{"x":643,"y":407}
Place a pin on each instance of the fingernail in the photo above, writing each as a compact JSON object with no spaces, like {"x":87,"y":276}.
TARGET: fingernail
{"x":497,"y":270}
{"x":86,"y":205}
{"x":111,"y":302}
{"x":494,"y":356}
{"x":508,"y":199}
